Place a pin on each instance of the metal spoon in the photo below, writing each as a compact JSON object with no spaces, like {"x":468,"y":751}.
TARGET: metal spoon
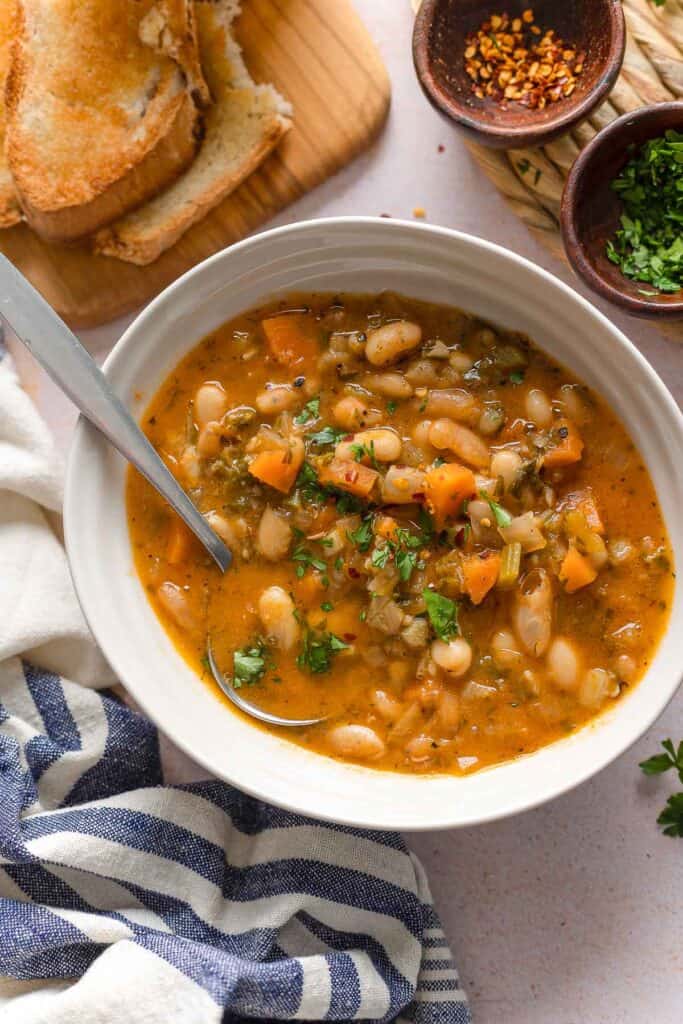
{"x":62,"y":356}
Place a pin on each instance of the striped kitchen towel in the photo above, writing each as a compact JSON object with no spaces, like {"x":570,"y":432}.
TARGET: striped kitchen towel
{"x":126,"y":900}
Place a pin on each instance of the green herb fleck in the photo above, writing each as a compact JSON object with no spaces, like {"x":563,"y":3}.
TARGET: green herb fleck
{"x":392,"y":406}
{"x":501,"y":515}
{"x":307,"y":559}
{"x":328,"y":435}
{"x":443,"y":614}
{"x":326,"y":606}
{"x":516,"y":377}
{"x":362,"y":537}
{"x":310,"y":411}
{"x":318,"y":651}
{"x":249,"y":664}
{"x":361,"y":451}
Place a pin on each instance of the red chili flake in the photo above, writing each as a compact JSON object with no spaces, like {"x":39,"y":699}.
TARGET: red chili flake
{"x":349,"y":637}
{"x":353,"y":573}
{"x":440,"y":149}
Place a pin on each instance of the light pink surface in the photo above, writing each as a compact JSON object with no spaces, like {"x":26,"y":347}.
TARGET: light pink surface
{"x":572,"y":913}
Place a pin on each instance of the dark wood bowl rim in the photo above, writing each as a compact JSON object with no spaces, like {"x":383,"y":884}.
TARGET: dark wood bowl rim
{"x":532,"y":134}
{"x":573,"y":242}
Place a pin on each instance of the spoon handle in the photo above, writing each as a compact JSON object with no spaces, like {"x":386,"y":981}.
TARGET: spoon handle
{"x":63,"y":357}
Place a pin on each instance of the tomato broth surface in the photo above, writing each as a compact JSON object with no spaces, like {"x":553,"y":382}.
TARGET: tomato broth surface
{"x":444,"y":544}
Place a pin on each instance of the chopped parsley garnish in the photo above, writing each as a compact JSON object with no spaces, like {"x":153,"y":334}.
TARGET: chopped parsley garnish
{"x":362,"y":537}
{"x":249,"y":664}
{"x":392,"y":406}
{"x":648,"y":245}
{"x":361,"y":451}
{"x":307,"y":559}
{"x":311,"y":411}
{"x":671,"y":818}
{"x":516,"y":377}
{"x":443,"y":614}
{"x":328,"y":435}
{"x":318,"y":651}
{"x":501,"y":515}
{"x":402,"y":550}
{"x":326,"y":606}
{"x":313,"y":492}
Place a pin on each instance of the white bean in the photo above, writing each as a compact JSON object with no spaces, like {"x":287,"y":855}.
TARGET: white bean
{"x":421,"y":433}
{"x":175,"y":603}
{"x":386,"y":706}
{"x":210,"y":403}
{"x":532,"y":615}
{"x":453,"y":656}
{"x":464,"y":443}
{"x":390,"y":342}
{"x":504,"y":649}
{"x":403,"y":485}
{"x":596,"y":686}
{"x":273,"y":536}
{"x":420,"y":749}
{"x":232,"y":531}
{"x":357,"y":741}
{"x":351,"y":413}
{"x":538,"y":408}
{"x":460,"y":361}
{"x":190,"y":465}
{"x":626,"y":668}
{"x":573,"y":402}
{"x":448,"y":715}
{"x":424,"y":373}
{"x":506,"y":464}
{"x":390,"y":385}
{"x":384,"y":444}
{"x":276,"y":610}
{"x":524,"y":530}
{"x":563,"y":663}
{"x":209,"y":440}
{"x":276,"y":399}
{"x":621,"y":551}
{"x":452,"y":402}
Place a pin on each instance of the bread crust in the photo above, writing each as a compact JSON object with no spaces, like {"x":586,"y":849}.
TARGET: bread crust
{"x":244,"y":124}
{"x":90,"y":166}
{"x":10,"y":211}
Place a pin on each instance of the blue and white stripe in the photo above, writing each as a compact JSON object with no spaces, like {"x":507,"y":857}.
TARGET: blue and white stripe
{"x":127,"y":899}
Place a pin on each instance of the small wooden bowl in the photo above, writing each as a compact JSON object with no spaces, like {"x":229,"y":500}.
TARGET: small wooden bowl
{"x":441,"y":27}
{"x":590,"y":210}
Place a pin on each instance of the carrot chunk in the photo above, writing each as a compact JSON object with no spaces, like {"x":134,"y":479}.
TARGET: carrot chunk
{"x":348,"y":476}
{"x":480,"y":573}
{"x":291,"y":338}
{"x":446,"y":488}
{"x":179,"y":543}
{"x":386,"y":527}
{"x":567,"y":446}
{"x":278,"y":468}
{"x":576,"y":571}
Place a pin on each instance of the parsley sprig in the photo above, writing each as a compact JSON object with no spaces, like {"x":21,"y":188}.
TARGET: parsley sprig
{"x":671,"y":818}
{"x":311,"y":411}
{"x":648,"y":246}
{"x":443,"y":614}
{"x":403,"y":550}
{"x":249,"y":664}
{"x":318,"y":650}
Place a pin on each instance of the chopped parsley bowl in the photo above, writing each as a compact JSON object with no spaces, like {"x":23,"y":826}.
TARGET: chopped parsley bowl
{"x":648,"y":245}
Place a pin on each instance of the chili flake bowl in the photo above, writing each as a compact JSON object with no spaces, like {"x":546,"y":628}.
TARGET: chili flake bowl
{"x":595,"y":27}
{"x":358,"y":255}
{"x":590,"y":211}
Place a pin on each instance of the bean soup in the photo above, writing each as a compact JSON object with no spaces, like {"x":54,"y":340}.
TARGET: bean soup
{"x":444,"y":544}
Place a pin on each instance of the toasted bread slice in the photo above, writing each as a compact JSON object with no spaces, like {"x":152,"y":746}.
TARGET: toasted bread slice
{"x":244,"y":123}
{"x":98,"y":120}
{"x":10,"y":212}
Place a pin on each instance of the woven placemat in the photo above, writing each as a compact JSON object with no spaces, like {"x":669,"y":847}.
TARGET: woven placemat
{"x":531,"y":180}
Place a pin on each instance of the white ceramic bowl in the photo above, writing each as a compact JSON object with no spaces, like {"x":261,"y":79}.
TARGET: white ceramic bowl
{"x":358,"y":254}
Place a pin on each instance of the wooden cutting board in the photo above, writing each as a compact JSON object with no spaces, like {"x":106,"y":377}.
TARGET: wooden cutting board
{"x":318,"y":54}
